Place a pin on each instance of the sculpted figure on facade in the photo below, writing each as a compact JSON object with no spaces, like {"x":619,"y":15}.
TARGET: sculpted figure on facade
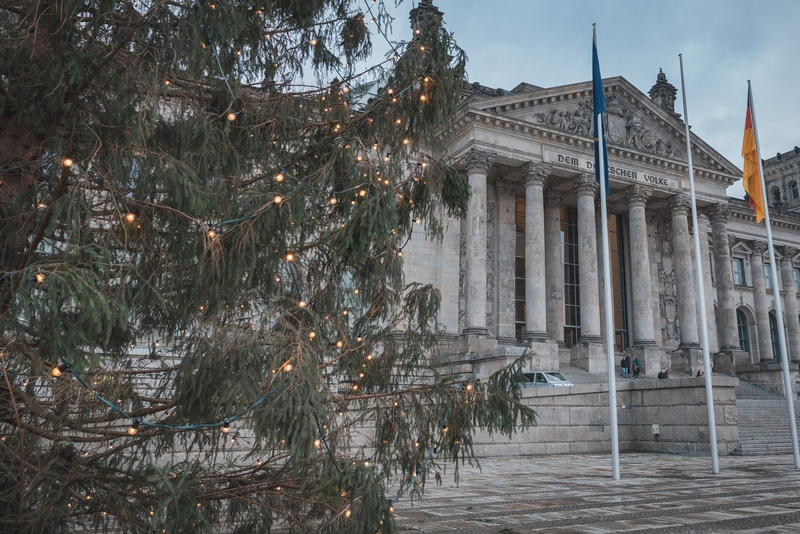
{"x":624,"y":127}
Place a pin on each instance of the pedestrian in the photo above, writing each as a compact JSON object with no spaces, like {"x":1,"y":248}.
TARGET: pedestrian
{"x":624,"y":363}
{"x":636,"y":368}
{"x":662,"y":374}
{"x":628,"y":364}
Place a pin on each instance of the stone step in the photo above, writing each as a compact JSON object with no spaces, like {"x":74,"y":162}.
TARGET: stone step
{"x":763,"y":427}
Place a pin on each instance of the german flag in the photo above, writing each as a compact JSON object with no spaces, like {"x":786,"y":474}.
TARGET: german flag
{"x":751,"y":179}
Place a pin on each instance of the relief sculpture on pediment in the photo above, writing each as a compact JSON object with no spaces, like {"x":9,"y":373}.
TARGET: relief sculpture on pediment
{"x":624,"y":127}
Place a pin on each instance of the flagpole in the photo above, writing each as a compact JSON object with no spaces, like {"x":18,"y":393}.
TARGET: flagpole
{"x":712,"y":424}
{"x":787,"y":380}
{"x":612,"y":381}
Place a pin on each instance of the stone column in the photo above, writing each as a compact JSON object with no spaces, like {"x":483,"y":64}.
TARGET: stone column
{"x":535,"y":175}
{"x":644,"y":345}
{"x":762,"y":302}
{"x":730,"y":354}
{"x":708,"y":286}
{"x":554,"y":269}
{"x":589,"y":353}
{"x":640,"y":265}
{"x":506,"y":239}
{"x":477,"y":163}
{"x":689,"y":355}
{"x":545,"y":351}
{"x":790,"y":302}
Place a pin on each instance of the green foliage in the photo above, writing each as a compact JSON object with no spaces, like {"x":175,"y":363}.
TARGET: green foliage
{"x":192,"y":269}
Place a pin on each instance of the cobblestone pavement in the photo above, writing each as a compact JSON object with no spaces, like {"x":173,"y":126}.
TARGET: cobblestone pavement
{"x":664,"y":493}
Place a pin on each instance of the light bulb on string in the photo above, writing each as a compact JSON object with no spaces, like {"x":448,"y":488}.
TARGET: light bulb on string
{"x":278,"y":199}
{"x":134,"y":428}
{"x":226,"y":426}
{"x":279,"y":177}
{"x":39,"y":277}
{"x":59,"y":369}
{"x":212,"y":234}
{"x":68,"y":162}
{"x":231,"y":116}
{"x":130,"y":217}
{"x":333,"y":201}
{"x":302,"y":304}
{"x":289,"y":257}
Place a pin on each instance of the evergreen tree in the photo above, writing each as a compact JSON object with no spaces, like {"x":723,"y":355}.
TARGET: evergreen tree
{"x":204,"y":316}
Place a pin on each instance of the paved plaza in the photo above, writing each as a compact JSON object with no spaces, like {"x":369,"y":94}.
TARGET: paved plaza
{"x":575,"y":493}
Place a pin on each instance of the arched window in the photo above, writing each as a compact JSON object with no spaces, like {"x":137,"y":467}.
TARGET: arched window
{"x":795,"y":191}
{"x":744,"y":335}
{"x":773,"y":332}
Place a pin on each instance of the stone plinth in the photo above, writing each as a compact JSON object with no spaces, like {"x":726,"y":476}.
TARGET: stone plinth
{"x":686,"y":361}
{"x":766,"y":372}
{"x":727,"y":361}
{"x":652,"y":358}
{"x":589,"y":355}
{"x":544,"y":355}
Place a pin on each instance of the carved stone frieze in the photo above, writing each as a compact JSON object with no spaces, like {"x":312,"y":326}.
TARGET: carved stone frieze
{"x":624,"y":127}
{"x":663,"y":256}
{"x":490,"y":265}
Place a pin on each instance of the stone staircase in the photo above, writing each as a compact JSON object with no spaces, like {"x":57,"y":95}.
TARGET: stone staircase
{"x":764,"y":427}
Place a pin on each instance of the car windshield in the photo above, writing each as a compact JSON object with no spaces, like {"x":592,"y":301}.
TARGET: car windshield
{"x":558,"y":377}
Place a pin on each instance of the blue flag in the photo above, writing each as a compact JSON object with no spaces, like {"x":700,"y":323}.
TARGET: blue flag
{"x":599,"y":108}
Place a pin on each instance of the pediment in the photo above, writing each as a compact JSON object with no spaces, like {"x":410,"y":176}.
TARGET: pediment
{"x":632,"y":120}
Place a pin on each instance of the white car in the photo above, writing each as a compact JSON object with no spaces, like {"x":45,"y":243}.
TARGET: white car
{"x":545,"y":379}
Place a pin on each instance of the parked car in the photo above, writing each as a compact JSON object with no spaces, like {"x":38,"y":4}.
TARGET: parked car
{"x":545,"y":379}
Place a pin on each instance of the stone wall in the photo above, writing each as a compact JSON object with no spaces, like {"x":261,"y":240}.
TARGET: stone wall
{"x":575,"y":420}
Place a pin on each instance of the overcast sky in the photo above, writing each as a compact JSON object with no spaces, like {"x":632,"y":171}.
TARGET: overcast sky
{"x":724,"y":43}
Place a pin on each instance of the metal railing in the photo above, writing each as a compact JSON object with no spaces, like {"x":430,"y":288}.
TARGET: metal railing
{"x":763,"y":390}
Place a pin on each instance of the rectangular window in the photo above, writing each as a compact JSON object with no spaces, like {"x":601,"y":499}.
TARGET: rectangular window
{"x":768,"y":276}
{"x":569,"y":259}
{"x":738,"y":272}
{"x":796,"y":274}
{"x":519,"y":270}
{"x":617,"y":253}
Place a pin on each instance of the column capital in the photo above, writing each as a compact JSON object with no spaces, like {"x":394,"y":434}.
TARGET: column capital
{"x":788,"y":253}
{"x":636,"y":195}
{"x":553,"y":199}
{"x":718,"y":212}
{"x":680,"y":205}
{"x":586,"y":184}
{"x":507,"y":188}
{"x":759,"y":247}
{"x":536,"y":173}
{"x":731,"y":242}
{"x":478,"y":160}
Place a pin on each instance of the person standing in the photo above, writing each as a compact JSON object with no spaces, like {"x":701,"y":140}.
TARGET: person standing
{"x":635,"y":368}
{"x":625,"y":364}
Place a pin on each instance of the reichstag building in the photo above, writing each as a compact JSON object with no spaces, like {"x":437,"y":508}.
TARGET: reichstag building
{"x":524,"y":269}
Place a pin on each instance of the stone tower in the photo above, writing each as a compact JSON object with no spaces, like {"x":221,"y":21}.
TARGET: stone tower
{"x":664,"y":93}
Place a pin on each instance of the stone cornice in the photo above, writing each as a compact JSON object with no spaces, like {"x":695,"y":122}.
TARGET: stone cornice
{"x":527,"y":130}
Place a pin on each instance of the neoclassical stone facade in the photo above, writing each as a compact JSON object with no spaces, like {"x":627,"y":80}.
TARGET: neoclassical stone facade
{"x":523,"y":270}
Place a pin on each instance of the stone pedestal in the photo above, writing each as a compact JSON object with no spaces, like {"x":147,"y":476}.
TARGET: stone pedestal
{"x":590,"y":356}
{"x":686,"y":361}
{"x":469,"y":343}
{"x":652,"y":358}
{"x":544,"y":355}
{"x":727,"y":361}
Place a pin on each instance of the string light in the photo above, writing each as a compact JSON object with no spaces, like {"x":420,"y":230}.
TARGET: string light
{"x":68,"y":162}
{"x":333,"y":201}
{"x":290,"y":257}
{"x":130,"y":217}
{"x":279,"y":177}
{"x":212,"y":234}
{"x":226,"y":426}
{"x":278,"y":199}
{"x":134,"y":428}
{"x":59,"y":370}
{"x":303,"y":304}
{"x":231,"y":116}
{"x":39,"y":277}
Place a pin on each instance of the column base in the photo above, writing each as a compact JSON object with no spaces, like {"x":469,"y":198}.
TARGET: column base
{"x":686,"y":361}
{"x":469,"y":343}
{"x":539,"y":337}
{"x":544,"y":355}
{"x":652,"y":358}
{"x":727,"y":360}
{"x":475,"y":331}
{"x":590,"y":356}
